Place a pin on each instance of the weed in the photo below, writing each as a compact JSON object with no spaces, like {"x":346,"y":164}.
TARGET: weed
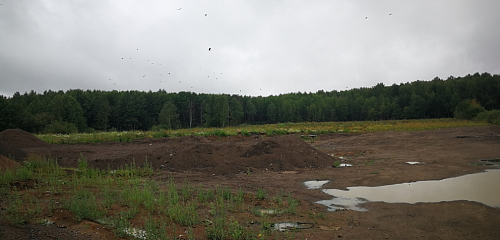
{"x":261,"y":194}
{"x":14,"y":214}
{"x":238,"y":232}
{"x":183,"y":213}
{"x":130,"y":213}
{"x":205,"y":195}
{"x":172,"y":194}
{"x":121,"y":226}
{"x":278,"y":199}
{"x":216,"y":230}
{"x":131,"y":196}
{"x":108,"y":196}
{"x":217,"y":132}
{"x":239,"y":197}
{"x":371,"y":162}
{"x":84,"y":206}
{"x":190,"y":234}
{"x":336,"y":164}
{"x":292,"y":205}
{"x":266,"y":226}
{"x":6,"y":177}
{"x":245,"y":133}
{"x":186,"y":190}
{"x":224,"y":192}
{"x":155,"y":229}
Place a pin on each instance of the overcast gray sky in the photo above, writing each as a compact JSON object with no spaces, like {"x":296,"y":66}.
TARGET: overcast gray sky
{"x":258,"y":47}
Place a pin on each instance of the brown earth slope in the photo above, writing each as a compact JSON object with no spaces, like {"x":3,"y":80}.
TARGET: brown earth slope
{"x":12,"y":140}
{"x":220,"y":156}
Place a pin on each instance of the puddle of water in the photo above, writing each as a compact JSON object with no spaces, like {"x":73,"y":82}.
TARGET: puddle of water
{"x":315,"y":184}
{"x":415,"y":163}
{"x":482,"y":164}
{"x":284,"y":226}
{"x":340,"y":203}
{"x":495,"y":160}
{"x":480,"y":187}
{"x":345,"y":165}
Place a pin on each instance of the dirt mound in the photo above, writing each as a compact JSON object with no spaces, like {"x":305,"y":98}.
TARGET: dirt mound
{"x":6,"y":163}
{"x":13,"y":140}
{"x":260,"y":148}
{"x":282,"y":153}
{"x":227,"y":155}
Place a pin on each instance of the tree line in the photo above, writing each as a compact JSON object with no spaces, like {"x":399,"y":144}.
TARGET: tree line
{"x":87,"y":111}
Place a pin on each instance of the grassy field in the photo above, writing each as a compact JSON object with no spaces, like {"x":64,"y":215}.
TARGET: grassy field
{"x":119,"y":199}
{"x":268,"y":129}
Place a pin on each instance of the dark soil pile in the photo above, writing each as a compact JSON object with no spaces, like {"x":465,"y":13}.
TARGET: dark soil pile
{"x":282,"y":153}
{"x":13,"y":140}
{"x":6,"y":163}
{"x":220,"y":156}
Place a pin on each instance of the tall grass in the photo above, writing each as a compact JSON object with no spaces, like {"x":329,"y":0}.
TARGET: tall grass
{"x":268,"y":129}
{"x":117,"y":201}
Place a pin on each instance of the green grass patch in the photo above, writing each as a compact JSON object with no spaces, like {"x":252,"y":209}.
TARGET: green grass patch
{"x":309,"y":128}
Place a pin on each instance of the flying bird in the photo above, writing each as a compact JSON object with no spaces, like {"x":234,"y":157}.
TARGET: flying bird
{"x":179,"y":8}
{"x":205,"y":14}
{"x":209,"y":49}
{"x":366,"y":17}
{"x":390,"y":14}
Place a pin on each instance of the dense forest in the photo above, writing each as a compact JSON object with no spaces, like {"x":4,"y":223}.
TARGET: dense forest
{"x":87,"y":111}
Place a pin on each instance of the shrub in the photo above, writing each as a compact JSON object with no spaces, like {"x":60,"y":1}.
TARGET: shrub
{"x":468,"y":109}
{"x":492,"y":117}
{"x":60,"y":127}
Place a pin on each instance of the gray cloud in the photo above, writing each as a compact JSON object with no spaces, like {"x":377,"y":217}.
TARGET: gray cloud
{"x":257,"y":47}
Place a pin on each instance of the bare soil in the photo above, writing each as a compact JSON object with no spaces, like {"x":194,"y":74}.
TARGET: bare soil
{"x":283,"y":163}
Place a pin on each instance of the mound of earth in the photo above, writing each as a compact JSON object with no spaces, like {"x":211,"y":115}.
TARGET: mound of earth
{"x":6,"y":163}
{"x":221,"y":156}
{"x":12,"y":141}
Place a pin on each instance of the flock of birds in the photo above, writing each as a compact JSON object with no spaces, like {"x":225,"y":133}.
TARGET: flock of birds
{"x":216,"y":76}
{"x":209,"y":49}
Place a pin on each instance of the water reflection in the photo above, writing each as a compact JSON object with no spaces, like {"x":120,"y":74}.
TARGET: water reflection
{"x":480,"y":187}
{"x":315,"y":184}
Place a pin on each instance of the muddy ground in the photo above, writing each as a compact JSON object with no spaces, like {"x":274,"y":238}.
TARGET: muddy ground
{"x":283,"y":163}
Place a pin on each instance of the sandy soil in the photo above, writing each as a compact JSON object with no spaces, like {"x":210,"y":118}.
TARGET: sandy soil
{"x":283,"y":163}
